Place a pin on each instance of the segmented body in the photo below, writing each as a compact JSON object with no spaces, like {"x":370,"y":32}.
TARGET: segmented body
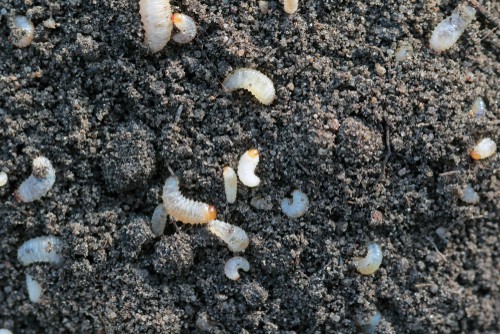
{"x":252,"y":80}
{"x":246,"y":168}
{"x":41,"y":249}
{"x":230,"y":184}
{"x":39,"y":183}
{"x":233,"y":265}
{"x":235,"y":237}
{"x":187,"y":27}
{"x":156,"y":19}
{"x":371,"y":262}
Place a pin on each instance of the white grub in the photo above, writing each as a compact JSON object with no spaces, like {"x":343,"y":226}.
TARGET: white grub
{"x":478,"y":109}
{"x":187,"y":27}
{"x":233,"y":265}
{"x":156,"y":18}
{"x":39,"y":183}
{"x":469,"y":195}
{"x":291,"y":6}
{"x":296,"y":206}
{"x":235,"y":237}
{"x":403,"y":52}
{"x":371,"y":262}
{"x":3,"y":179}
{"x":159,"y":220}
{"x":246,"y":168}
{"x":183,"y":209}
{"x":22,"y":31}
{"x":484,"y":149}
{"x":5,"y":331}
{"x":230,"y":184}
{"x":252,"y":80}
{"x":369,"y":326}
{"x":41,"y":249}
{"x":34,"y":289}
{"x":448,"y":31}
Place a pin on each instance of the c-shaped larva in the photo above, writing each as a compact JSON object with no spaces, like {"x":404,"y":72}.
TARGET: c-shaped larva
{"x":254,"y":81}
{"x":235,"y":237}
{"x":159,"y":220}
{"x":246,"y":168}
{"x":156,"y":19}
{"x":41,"y":249}
{"x":22,"y":31}
{"x":371,"y":262}
{"x":291,"y":6}
{"x":39,"y":183}
{"x":230,"y":184}
{"x":448,"y":31}
{"x":184,"y":209}
{"x":233,"y":265}
{"x":484,"y":149}
{"x":187,"y":27}
{"x":34,"y":289}
{"x":297,"y":206}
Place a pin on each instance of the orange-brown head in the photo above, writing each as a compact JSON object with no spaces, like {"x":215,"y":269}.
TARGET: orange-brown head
{"x":176,"y":18}
{"x":212,"y":212}
{"x":253,"y":153}
{"x":474,"y":155}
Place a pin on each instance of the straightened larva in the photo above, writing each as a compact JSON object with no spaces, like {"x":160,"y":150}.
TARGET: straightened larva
{"x":448,"y":31}
{"x":246,"y":168}
{"x":34,"y":289}
{"x":233,"y":265}
{"x":252,"y":80}
{"x":371,"y":262}
{"x":484,"y":149}
{"x":41,"y":249}
{"x":235,"y":237}
{"x":230,"y":184}
{"x":22,"y":31}
{"x":187,"y":27}
{"x":156,"y":19}
{"x":291,"y":6}
{"x":297,"y":206}
{"x":39,"y":183}
{"x":159,"y":220}
{"x":183,"y":209}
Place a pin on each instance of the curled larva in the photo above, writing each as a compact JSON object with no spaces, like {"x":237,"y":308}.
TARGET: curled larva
{"x":235,"y":238}
{"x":297,"y":206}
{"x":187,"y":27}
{"x":159,"y":220}
{"x":183,"y":209}
{"x":34,"y":289}
{"x":448,"y":31}
{"x":230,"y":184}
{"x":478,"y":108}
{"x":3,"y":179}
{"x":156,"y":19}
{"x":291,"y":6}
{"x":370,"y":325}
{"x":371,"y":262}
{"x":233,"y":265}
{"x":484,"y":149}
{"x":246,"y":168}
{"x":22,"y":31}
{"x":469,"y":195}
{"x":41,"y":249}
{"x":39,"y":183}
{"x":254,"y":81}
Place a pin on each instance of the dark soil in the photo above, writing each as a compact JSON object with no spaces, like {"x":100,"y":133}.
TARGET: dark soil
{"x":382,"y":156}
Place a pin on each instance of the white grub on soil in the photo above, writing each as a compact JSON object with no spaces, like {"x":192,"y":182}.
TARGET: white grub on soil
{"x":469,"y":195}
{"x":297,"y":206}
{"x":156,"y":18}
{"x":246,"y":168}
{"x":291,"y":6}
{"x":22,"y":31}
{"x":478,"y":108}
{"x":233,"y":265}
{"x":183,"y":209}
{"x":34,"y":289}
{"x":39,"y":183}
{"x":252,"y":80}
{"x":371,"y":262}
{"x":159,"y":220}
{"x":187,"y":27}
{"x":448,"y":31}
{"x":3,"y":179}
{"x":484,"y":149}
{"x":42,"y":249}
{"x":230,"y":184}
{"x":235,"y":237}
